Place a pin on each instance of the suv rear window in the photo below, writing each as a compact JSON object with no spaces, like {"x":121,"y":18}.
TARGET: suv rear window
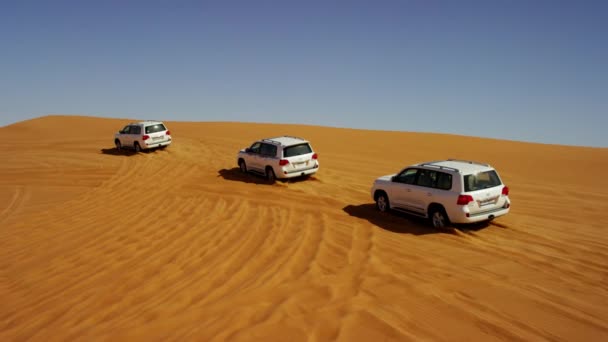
{"x":481,"y":180}
{"x":297,"y":150}
{"x":155,"y":128}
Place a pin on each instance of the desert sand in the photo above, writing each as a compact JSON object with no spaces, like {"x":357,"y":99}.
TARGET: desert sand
{"x":177,"y":245}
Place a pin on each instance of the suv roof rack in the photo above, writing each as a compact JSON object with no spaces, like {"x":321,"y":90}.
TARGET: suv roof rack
{"x":468,"y":161}
{"x":430,"y":164}
{"x":272,"y":140}
{"x":291,"y":136}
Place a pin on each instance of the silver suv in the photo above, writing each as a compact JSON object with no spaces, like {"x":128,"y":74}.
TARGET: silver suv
{"x":280,"y":157}
{"x":456,"y":191}
{"x":143,"y":135}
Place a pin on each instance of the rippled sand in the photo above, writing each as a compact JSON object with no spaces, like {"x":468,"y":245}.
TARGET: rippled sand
{"x":178,"y":245}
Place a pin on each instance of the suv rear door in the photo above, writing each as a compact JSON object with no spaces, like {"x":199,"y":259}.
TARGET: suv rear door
{"x":422,"y":194}
{"x":299,"y":156}
{"x":157,"y":132}
{"x":135,"y":135}
{"x":431,"y":187}
{"x":486,"y":189}
{"x":268,"y":155}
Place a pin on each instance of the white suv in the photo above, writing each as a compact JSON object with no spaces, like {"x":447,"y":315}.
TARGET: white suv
{"x":456,"y":191}
{"x":143,"y":135}
{"x":280,"y":157}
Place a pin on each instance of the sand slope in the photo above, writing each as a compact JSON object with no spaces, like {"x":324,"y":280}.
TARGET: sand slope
{"x":177,"y":245}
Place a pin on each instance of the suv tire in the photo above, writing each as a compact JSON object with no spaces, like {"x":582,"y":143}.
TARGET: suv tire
{"x":438,"y":217}
{"x":382,"y":202}
{"x":242,"y":166}
{"x":118,"y":144}
{"x":270,"y":176}
{"x":137,"y":147}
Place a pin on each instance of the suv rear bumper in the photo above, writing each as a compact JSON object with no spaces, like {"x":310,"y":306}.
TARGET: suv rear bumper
{"x":462,"y":217}
{"x":298,"y":173}
{"x":155,"y":144}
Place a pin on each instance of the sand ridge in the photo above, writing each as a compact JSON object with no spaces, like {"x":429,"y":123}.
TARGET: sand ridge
{"x":178,"y":245}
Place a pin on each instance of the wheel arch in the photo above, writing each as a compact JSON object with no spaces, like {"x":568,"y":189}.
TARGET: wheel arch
{"x":436,"y":206}
{"x":379,"y":192}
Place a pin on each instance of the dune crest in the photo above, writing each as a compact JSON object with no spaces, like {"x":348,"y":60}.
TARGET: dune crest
{"x":178,"y":245}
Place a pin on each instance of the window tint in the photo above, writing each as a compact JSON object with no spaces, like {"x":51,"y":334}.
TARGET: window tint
{"x":481,"y":180}
{"x":135,"y":129}
{"x":297,"y":150}
{"x":444,"y":181}
{"x":427,"y":178}
{"x":407,"y":176}
{"x":255,"y":148}
{"x":155,"y":128}
{"x":268,"y":150}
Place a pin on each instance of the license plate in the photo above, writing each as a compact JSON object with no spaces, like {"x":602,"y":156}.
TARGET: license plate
{"x":488,"y":201}
{"x":158,"y":138}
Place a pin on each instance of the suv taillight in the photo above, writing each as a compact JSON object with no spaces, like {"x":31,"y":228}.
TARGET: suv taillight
{"x":168,"y":133}
{"x":464,"y":199}
{"x":145,"y":137}
{"x":283,"y":162}
{"x":505,"y":191}
{"x":315,"y":156}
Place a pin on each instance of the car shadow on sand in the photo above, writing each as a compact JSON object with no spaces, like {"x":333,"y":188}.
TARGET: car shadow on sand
{"x":126,"y":152}
{"x":116,"y":152}
{"x":392,"y":221}
{"x":235,"y":174}
{"x":397,"y":222}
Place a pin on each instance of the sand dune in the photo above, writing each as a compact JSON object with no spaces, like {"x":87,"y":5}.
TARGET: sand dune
{"x":177,"y":245}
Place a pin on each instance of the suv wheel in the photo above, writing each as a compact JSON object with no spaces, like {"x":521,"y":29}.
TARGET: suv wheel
{"x":382,"y":202}
{"x":439,"y":219}
{"x":242,"y":166}
{"x":118,"y":144}
{"x":137,"y":147}
{"x":270,"y":176}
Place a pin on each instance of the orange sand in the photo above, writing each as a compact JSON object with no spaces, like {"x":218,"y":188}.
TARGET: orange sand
{"x":178,"y":245}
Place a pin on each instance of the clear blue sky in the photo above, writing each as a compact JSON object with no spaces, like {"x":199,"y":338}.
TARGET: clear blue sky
{"x":521,"y":70}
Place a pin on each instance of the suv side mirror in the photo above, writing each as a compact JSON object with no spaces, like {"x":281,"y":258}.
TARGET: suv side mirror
{"x":248,"y":150}
{"x":393,"y":178}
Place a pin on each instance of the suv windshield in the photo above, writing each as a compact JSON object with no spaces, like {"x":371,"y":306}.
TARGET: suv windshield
{"x":155,"y":128}
{"x":481,"y":180}
{"x":297,"y":150}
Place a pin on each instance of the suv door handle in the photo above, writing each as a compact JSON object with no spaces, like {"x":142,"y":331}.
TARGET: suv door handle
{"x":409,"y":190}
{"x":429,"y":194}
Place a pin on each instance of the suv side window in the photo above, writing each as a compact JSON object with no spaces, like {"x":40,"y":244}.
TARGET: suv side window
{"x":268,"y":150}
{"x":135,"y":130}
{"x":255,"y":148}
{"x":407,"y":176}
{"x":427,"y":178}
{"x":125,"y":130}
{"x":444,"y":181}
